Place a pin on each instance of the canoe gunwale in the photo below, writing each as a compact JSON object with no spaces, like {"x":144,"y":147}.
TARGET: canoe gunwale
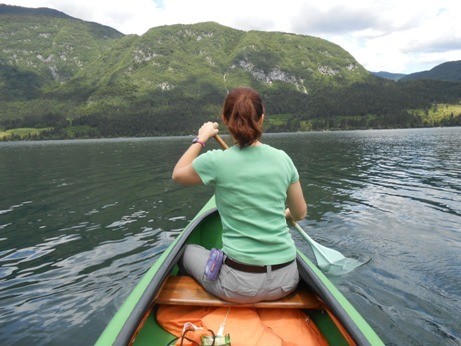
{"x":314,"y":281}
{"x":145,"y":301}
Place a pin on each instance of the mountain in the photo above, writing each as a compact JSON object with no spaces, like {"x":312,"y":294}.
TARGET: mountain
{"x":43,"y":48}
{"x":449,"y":71}
{"x":170,"y":69}
{"x":82,"y":79}
{"x":55,"y":66}
{"x":389,"y":75}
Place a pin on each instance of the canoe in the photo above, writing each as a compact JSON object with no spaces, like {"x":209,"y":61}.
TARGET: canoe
{"x":135,"y":322}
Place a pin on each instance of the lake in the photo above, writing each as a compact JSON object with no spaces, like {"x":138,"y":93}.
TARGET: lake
{"x":81,"y":221}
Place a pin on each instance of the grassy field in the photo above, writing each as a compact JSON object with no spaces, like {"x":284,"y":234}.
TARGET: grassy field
{"x":438,"y":113}
{"x":21,"y":133}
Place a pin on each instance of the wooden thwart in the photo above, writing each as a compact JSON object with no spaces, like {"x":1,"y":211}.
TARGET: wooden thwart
{"x":184,"y":290}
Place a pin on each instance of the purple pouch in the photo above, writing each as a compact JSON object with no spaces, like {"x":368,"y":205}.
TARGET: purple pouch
{"x":214,"y":264}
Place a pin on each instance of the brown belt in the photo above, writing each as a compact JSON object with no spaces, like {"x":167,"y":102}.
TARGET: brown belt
{"x":253,"y":269}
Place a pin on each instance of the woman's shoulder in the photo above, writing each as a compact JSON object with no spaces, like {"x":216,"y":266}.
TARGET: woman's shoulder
{"x":273,"y":150}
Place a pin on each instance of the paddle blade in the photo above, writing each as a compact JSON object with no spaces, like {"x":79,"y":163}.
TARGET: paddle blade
{"x":343,"y":267}
{"x":324,"y":255}
{"x":329,"y":260}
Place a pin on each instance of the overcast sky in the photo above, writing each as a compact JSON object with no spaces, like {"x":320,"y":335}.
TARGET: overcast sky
{"x":400,"y":36}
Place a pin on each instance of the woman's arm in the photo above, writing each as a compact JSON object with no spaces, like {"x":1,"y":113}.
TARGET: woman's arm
{"x":297,"y":207}
{"x":183,"y":172}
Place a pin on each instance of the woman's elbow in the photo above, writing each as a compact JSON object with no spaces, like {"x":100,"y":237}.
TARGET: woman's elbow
{"x":177,"y":177}
{"x":186,"y":178}
{"x":304,"y":214}
{"x":299,"y":214}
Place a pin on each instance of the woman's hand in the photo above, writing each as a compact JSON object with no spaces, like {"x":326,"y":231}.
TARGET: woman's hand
{"x":208,"y":130}
{"x":183,"y":172}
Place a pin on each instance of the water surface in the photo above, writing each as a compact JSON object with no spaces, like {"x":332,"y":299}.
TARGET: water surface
{"x":81,"y":221}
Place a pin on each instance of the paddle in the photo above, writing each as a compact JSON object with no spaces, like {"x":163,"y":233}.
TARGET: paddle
{"x":328,"y":260}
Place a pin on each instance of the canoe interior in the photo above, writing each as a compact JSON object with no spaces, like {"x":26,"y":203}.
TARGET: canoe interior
{"x":208,"y":234}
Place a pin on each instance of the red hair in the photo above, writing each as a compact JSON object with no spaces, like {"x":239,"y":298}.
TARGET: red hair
{"x":242,"y":112}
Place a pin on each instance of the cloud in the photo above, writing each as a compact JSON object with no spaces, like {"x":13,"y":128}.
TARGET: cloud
{"x":136,"y":18}
{"x":133,"y":17}
{"x":254,"y":23}
{"x":336,"y":19}
{"x":438,"y":45}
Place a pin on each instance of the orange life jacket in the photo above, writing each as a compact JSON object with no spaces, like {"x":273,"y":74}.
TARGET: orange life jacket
{"x":246,"y":326}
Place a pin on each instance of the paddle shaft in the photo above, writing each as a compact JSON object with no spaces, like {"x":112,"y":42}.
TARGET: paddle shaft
{"x":221,"y":142}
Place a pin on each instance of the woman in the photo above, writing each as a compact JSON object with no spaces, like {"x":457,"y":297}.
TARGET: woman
{"x":253,"y":182}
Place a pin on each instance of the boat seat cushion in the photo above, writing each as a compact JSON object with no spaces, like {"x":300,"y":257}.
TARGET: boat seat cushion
{"x":184,"y":290}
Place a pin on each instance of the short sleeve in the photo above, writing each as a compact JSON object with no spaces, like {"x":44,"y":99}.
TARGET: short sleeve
{"x":205,"y":166}
{"x":292,"y":171}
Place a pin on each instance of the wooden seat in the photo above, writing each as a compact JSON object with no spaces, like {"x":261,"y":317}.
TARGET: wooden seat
{"x":184,"y":290}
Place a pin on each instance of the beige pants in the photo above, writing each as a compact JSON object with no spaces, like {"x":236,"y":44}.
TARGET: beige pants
{"x":238,"y":286}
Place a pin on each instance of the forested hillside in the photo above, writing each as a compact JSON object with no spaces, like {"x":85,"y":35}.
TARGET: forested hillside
{"x":61,"y":77}
{"x":449,"y":71}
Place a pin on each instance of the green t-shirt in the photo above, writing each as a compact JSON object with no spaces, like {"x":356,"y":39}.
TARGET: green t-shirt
{"x":251,"y":190}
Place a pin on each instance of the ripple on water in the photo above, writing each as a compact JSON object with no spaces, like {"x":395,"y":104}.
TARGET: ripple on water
{"x":75,"y":288}
{"x":389,"y":195}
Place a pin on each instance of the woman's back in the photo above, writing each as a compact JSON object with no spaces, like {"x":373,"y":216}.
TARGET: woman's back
{"x":250,"y":187}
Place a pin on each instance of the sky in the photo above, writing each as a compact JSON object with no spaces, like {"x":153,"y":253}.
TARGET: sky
{"x":398,"y":36}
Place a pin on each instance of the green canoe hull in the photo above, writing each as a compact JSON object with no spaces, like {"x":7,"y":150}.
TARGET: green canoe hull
{"x":205,"y":229}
